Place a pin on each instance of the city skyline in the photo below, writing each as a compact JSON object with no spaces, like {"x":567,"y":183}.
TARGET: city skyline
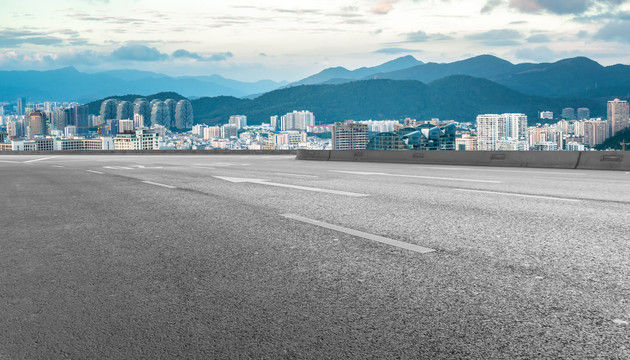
{"x":282,"y":40}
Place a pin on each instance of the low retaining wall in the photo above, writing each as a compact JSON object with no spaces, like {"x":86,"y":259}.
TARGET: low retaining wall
{"x":604,"y":160}
{"x":153,"y":152}
{"x":595,"y":160}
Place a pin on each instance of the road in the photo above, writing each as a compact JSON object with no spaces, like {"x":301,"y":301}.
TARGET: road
{"x":221,"y":257}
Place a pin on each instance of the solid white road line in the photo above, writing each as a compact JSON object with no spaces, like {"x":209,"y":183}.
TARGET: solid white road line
{"x":519,"y":195}
{"x":361,"y":234}
{"x":57,"y":166}
{"x":203,"y":167}
{"x":307,"y":188}
{"x":418,"y":177}
{"x":10,"y":162}
{"x":94,"y":172}
{"x":158,"y":184}
{"x":41,"y":159}
{"x":297,"y":175}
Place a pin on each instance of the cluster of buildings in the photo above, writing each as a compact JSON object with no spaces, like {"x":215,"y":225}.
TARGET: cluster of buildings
{"x":287,"y":132}
{"x":572,"y":133}
{"x":144,"y":125}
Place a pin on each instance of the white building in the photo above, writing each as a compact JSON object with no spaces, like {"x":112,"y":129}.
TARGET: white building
{"x":140,"y":140}
{"x":546,"y":115}
{"x":125,"y":125}
{"x":210,"y":132}
{"x":492,"y":128}
{"x":240,"y":121}
{"x":138,"y":121}
{"x":297,"y":120}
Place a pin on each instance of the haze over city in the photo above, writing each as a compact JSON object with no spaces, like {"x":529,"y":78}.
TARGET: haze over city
{"x":288,"y":40}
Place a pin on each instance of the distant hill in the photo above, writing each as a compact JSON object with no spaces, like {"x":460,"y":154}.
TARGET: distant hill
{"x":344,"y":75}
{"x":455,"y":97}
{"x":578,"y":76}
{"x":615,"y":141}
{"x":68,"y":84}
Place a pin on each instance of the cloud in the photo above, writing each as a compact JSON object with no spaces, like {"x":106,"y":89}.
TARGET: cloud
{"x":421,"y":36}
{"x":395,"y":50}
{"x":504,"y":37}
{"x":137,"y":52}
{"x":560,"y":7}
{"x":490,"y":5}
{"x":185,"y":54}
{"x":543,"y":54}
{"x":538,"y":38}
{"x":383,"y":7}
{"x":618,"y":31}
{"x":10,"y":38}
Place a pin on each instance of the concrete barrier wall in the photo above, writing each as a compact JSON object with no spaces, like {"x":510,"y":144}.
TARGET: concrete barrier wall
{"x":604,"y":160}
{"x":596,"y":160}
{"x":322,"y":155}
{"x":153,"y":152}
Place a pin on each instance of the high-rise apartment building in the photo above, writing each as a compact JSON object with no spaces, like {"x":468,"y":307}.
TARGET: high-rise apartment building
{"x":350,"y":135}
{"x":21,"y":106}
{"x":37,"y":123}
{"x":568,"y":114}
{"x":297,"y":120}
{"x":239,"y":121}
{"x":229,"y":130}
{"x":595,"y":132}
{"x":273,"y":122}
{"x":125,"y":126}
{"x":618,"y":116}
{"x":211,"y":132}
{"x":539,"y":137}
{"x":583,"y":113}
{"x":492,"y":128}
{"x":138,"y":121}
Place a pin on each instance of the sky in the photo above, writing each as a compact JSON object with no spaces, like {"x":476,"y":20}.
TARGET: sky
{"x":290,"y":39}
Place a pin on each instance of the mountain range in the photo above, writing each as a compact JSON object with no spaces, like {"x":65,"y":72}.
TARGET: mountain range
{"x":69,"y":84}
{"x":458,"y":97}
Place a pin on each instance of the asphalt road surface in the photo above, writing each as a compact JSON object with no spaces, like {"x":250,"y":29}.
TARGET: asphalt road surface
{"x":267,"y":257}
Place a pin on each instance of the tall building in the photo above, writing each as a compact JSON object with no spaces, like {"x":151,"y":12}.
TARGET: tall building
{"x":160,"y":114}
{"x":37,"y":123}
{"x":618,"y":116}
{"x":492,"y":128}
{"x":229,"y":130}
{"x":240,"y":121}
{"x":568,"y":114}
{"x":125,"y":126}
{"x":80,"y":113}
{"x":124,"y":111}
{"x":350,"y":135}
{"x":141,"y":107}
{"x":210,"y":132}
{"x":172,"y":105}
{"x":198,"y":129}
{"x":297,"y":120}
{"x":138,"y":121}
{"x":184,"y":115}
{"x":583,"y":113}
{"x":109,"y":108}
{"x":21,"y":106}
{"x":539,"y":137}
{"x":273,"y":122}
{"x":595,"y":132}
